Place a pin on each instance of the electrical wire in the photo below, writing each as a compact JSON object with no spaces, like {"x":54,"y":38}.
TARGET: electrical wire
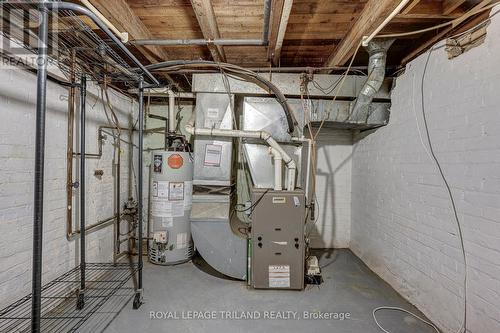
{"x":454,"y":22}
{"x":448,"y":188}
{"x":402,"y":310}
{"x":339,"y":89}
{"x":432,"y":155}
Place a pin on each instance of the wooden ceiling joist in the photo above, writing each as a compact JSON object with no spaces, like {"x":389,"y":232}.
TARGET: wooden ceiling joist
{"x":281,"y":29}
{"x":121,"y":15}
{"x":274,"y":25}
{"x":450,"y":5}
{"x":442,"y":34}
{"x":208,"y":24}
{"x":372,"y":15}
{"x":409,"y":7}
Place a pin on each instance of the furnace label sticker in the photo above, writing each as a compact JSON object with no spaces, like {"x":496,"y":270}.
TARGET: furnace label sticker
{"x":213,"y":155}
{"x":279,"y":276}
{"x":212,"y":118}
{"x":176,"y":191}
{"x":157,"y":163}
{"x":279,"y":200}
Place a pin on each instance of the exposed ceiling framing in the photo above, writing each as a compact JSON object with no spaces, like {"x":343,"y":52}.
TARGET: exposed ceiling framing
{"x":206,"y":19}
{"x":373,"y":14}
{"x":123,"y":17}
{"x":302,"y":33}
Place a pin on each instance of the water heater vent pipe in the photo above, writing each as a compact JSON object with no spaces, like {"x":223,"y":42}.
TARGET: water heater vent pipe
{"x":171,"y":112}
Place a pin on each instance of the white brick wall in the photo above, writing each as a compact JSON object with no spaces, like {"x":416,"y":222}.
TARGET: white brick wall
{"x":402,"y":223}
{"x":333,"y":190}
{"x":17,"y":126}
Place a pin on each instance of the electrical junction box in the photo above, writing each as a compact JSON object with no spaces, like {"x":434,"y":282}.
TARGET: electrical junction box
{"x":278,"y":245}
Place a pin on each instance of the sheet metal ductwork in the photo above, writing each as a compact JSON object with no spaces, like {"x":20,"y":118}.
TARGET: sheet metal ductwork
{"x":377,"y":49}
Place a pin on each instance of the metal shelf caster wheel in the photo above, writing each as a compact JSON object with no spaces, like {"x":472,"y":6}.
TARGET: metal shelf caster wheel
{"x":137,"y":301}
{"x":80,"y":301}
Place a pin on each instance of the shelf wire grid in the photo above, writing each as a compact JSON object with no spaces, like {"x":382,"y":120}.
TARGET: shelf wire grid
{"x":73,"y":45}
{"x":106,"y":293}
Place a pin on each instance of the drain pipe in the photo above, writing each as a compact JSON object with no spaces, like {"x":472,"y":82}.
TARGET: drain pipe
{"x":377,"y":49}
{"x":278,"y":164}
{"x":289,"y":162}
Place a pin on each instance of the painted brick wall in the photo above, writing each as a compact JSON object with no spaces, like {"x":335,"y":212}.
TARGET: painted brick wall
{"x":17,"y":126}
{"x":402,"y":222}
{"x":333,"y":190}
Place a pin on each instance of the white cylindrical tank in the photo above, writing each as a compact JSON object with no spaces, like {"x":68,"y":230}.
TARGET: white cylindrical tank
{"x":171,"y":200}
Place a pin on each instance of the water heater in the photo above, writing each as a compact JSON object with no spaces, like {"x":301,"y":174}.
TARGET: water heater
{"x":171,"y":200}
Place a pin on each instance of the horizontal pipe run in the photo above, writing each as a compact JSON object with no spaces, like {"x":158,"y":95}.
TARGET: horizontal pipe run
{"x":265,"y":136}
{"x":85,"y":11}
{"x":218,"y":41}
{"x":70,"y":235}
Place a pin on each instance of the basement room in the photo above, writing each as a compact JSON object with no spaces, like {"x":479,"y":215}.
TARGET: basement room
{"x":250,"y":166}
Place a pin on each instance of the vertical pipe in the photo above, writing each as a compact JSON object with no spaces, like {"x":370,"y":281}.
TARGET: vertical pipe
{"x":267,"y":18}
{"x":69,"y":150}
{"x":118,"y":198}
{"x":171,"y":112}
{"x":139,"y":168}
{"x":41,"y":104}
{"x":83,"y":95}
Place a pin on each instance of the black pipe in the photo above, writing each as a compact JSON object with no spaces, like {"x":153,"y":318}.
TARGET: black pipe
{"x":41,"y":106}
{"x":236,"y":71}
{"x":140,"y":171}
{"x":83,"y":96}
{"x":82,"y":10}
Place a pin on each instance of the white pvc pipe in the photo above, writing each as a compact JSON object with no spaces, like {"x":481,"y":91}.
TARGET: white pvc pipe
{"x":171,"y":111}
{"x":396,"y":11}
{"x":278,"y":159}
{"x":289,"y":162}
{"x":122,"y":35}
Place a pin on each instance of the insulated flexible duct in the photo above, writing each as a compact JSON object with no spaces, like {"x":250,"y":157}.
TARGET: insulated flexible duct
{"x":377,"y":49}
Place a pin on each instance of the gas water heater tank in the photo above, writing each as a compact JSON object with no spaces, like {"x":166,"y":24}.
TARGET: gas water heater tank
{"x":171,"y":200}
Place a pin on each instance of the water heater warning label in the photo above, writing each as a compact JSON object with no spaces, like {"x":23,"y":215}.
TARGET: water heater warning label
{"x":176,"y":191}
{"x":279,"y":276}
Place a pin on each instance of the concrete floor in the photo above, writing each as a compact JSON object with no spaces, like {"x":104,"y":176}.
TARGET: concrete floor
{"x":349,"y":287}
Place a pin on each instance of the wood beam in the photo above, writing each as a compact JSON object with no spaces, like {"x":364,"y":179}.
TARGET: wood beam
{"x":410,"y":6}
{"x":122,"y":16}
{"x":206,"y":19}
{"x":274,"y":25}
{"x":450,"y":5}
{"x":428,"y":43}
{"x":282,"y":25}
{"x":372,"y":15}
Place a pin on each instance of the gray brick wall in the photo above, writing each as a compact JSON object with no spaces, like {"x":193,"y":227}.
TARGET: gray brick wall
{"x":17,"y":126}
{"x":402,"y":222}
